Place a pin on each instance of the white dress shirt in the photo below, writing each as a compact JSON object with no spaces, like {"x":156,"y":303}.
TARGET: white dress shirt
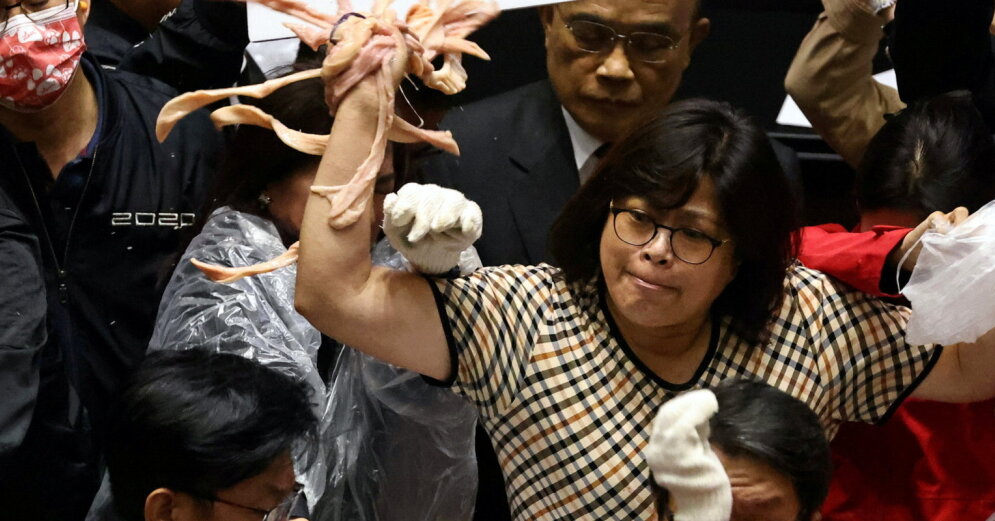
{"x":584,"y":146}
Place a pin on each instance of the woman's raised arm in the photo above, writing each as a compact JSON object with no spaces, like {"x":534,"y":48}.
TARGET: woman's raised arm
{"x":964,"y":373}
{"x":387,"y":314}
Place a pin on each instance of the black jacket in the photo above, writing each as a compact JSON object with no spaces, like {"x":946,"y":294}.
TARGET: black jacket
{"x":197,"y":46}
{"x":22,"y":326}
{"x":105,"y":227}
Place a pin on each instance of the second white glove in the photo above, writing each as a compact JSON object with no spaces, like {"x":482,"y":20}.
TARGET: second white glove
{"x":431,"y":225}
{"x":682,"y":461}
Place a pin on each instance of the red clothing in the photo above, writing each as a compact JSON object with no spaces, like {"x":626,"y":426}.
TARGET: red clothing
{"x":931,"y":461}
{"x":855,"y":258}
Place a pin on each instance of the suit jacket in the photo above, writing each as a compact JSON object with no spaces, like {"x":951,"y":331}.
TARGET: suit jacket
{"x":517,"y":163}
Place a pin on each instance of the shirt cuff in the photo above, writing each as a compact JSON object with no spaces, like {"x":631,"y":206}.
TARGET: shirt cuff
{"x":855,"y":20}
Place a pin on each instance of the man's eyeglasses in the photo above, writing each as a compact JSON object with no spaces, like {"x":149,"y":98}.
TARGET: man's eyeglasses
{"x":643,"y":46}
{"x":280,"y":512}
{"x":30,"y":7}
{"x":689,"y":245}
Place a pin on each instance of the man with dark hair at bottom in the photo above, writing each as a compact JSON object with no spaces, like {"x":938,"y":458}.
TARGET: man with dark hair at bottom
{"x":106,"y":203}
{"x":740,"y":452}
{"x":201,"y":436}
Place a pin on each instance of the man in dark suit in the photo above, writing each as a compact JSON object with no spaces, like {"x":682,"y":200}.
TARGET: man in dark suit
{"x":525,"y":152}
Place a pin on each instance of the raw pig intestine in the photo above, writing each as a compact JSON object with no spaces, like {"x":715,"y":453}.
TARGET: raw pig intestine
{"x":364,"y":44}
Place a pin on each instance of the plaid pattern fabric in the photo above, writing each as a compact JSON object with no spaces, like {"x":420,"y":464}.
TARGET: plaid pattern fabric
{"x":568,"y":408}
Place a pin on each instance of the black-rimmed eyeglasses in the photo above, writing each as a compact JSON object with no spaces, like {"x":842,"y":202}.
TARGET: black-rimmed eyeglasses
{"x":280,"y":512}
{"x":599,"y":38}
{"x":636,"y":228}
{"x":30,"y":8}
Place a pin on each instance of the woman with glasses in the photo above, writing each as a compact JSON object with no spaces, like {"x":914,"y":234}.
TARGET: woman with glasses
{"x":676,"y":272}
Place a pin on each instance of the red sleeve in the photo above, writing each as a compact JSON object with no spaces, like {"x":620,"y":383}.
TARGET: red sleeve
{"x":854,"y":258}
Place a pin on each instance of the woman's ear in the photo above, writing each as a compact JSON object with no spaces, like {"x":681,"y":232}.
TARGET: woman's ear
{"x":734,"y":269}
{"x":159,"y":505}
{"x":83,"y":11}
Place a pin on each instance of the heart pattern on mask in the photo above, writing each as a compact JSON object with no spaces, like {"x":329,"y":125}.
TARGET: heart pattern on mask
{"x":71,"y":42}
{"x":48,"y":86}
{"x":29,"y":34}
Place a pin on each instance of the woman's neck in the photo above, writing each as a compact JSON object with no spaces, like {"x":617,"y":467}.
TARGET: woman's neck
{"x":672,"y":352}
{"x":61,"y":130}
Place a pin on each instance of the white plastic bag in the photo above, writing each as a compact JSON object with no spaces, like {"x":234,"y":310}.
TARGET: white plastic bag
{"x":952,"y":289}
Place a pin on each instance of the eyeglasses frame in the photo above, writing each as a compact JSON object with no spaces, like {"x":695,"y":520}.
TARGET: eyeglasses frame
{"x":264,"y":513}
{"x":624,"y":37}
{"x":716,"y":243}
{"x":5,"y":14}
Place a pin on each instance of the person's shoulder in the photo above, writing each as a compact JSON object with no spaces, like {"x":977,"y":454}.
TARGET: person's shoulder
{"x":141,"y":87}
{"x":515,"y":277}
{"x":480,"y":114}
{"x":811,"y":284}
{"x":139,"y":98}
{"x":236,"y":238}
{"x":814,"y":293}
{"x":539,"y":271}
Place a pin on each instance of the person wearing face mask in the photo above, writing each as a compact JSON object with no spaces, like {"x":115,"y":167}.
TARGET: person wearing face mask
{"x":106,"y":201}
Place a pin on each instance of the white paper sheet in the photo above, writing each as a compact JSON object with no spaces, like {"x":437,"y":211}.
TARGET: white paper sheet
{"x":791,"y":115}
{"x":267,"y":24}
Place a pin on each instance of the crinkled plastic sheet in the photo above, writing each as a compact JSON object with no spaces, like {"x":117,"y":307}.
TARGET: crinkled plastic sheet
{"x":390,"y":445}
{"x":951,"y":285}
{"x":254,"y":316}
{"x":396,"y":447}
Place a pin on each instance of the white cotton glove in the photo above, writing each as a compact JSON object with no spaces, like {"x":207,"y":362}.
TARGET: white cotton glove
{"x":682,"y":461}
{"x":431,"y":225}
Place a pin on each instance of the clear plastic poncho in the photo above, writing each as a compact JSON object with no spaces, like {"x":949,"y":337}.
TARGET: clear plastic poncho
{"x":391,"y":446}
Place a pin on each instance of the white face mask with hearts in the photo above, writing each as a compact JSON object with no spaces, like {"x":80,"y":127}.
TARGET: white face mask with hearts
{"x":38,"y":57}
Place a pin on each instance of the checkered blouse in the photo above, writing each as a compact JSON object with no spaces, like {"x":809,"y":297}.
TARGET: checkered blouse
{"x":568,"y":405}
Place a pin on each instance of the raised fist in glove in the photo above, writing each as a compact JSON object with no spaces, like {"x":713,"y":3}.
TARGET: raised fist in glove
{"x":682,"y":461}
{"x":431,"y":225}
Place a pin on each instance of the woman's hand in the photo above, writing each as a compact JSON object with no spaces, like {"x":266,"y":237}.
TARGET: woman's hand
{"x":360,"y":52}
{"x":431,"y":225}
{"x":937,"y":221}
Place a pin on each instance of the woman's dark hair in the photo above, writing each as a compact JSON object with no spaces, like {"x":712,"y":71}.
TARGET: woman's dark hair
{"x":664,"y":160}
{"x":762,"y":423}
{"x":201,"y":422}
{"x":935,"y":155}
{"x":257,"y":158}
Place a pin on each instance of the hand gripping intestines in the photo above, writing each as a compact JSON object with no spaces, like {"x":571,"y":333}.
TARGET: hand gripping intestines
{"x":363,"y":45}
